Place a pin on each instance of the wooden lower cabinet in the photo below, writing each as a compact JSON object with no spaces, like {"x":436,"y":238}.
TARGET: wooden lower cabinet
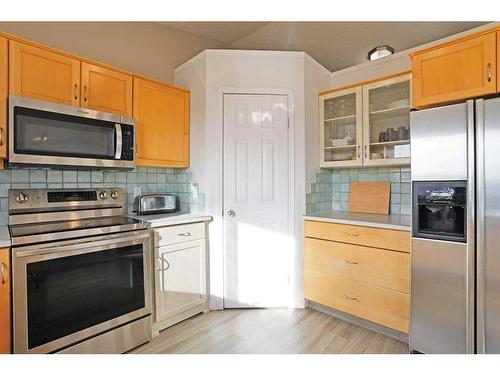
{"x":383,"y":306}
{"x":388,"y":269}
{"x":367,"y":236}
{"x":359,"y":270}
{"x":5,"y":302}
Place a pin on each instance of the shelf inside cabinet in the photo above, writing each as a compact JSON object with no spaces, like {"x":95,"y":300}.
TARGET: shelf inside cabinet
{"x":390,"y":112}
{"x":391,"y":143}
{"x":348,"y":117}
{"x":346,"y":147}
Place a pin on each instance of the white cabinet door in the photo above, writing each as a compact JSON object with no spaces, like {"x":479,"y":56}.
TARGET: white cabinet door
{"x":180,"y":281}
{"x":340,"y":128}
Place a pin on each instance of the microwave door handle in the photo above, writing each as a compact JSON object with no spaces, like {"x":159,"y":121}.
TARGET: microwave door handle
{"x":119,"y":141}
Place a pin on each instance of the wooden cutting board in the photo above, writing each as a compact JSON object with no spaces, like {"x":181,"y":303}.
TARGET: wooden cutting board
{"x":370,"y":197}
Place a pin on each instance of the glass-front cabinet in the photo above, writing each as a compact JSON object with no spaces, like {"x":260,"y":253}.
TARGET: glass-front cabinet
{"x":366,"y":125}
{"x":386,"y":114}
{"x":341,"y":128}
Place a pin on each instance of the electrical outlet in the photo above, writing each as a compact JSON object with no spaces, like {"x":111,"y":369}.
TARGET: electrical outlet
{"x":137,"y":190}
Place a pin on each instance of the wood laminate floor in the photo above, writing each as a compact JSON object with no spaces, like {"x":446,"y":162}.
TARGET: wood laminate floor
{"x":269,"y":331}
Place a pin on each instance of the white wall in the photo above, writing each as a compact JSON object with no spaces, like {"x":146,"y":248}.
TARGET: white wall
{"x":250,"y":72}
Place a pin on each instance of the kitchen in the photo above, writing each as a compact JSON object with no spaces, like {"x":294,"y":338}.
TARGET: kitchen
{"x":137,"y":202}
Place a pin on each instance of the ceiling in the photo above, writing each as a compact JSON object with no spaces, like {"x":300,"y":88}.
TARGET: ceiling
{"x":336,"y":45}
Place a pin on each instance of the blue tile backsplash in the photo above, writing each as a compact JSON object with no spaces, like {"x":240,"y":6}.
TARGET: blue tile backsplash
{"x":150,"y":180}
{"x":331,"y":188}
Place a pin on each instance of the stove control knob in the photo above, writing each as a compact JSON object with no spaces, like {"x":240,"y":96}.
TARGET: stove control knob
{"x":103,"y":195}
{"x":114,"y":195}
{"x":21,"y":198}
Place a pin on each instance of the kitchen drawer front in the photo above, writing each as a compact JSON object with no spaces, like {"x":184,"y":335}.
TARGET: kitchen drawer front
{"x":382,"y":306}
{"x":374,"y":237}
{"x":178,"y":233}
{"x":384,"y":268}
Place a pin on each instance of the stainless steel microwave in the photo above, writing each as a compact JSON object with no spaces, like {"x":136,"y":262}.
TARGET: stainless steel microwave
{"x":50,"y":134}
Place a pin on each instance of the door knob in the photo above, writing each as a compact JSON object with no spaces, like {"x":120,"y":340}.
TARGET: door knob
{"x":231,"y":213}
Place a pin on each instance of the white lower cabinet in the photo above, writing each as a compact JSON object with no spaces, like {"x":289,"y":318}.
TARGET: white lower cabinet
{"x":181,"y":274}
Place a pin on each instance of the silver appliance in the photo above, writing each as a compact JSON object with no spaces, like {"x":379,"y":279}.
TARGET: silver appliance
{"x":156,"y":203}
{"x":44,"y":133}
{"x":81,"y":272}
{"x":455,"y":260}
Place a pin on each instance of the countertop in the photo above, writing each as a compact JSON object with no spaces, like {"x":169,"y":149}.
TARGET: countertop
{"x":397,"y":222}
{"x":4,"y":236}
{"x":161,"y":220}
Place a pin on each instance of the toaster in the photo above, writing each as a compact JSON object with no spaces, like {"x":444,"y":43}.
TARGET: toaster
{"x":154,"y":203}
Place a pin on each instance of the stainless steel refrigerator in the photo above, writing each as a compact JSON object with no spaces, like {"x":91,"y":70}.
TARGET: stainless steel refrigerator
{"x":455,"y":259}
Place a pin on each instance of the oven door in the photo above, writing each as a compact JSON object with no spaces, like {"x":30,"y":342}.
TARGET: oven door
{"x":45,"y":133}
{"x":69,"y":291}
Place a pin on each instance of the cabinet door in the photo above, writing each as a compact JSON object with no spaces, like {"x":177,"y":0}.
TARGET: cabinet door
{"x":162,"y":115}
{"x":180,"y":281}
{"x":3,"y":97}
{"x":106,"y":90}
{"x":456,"y":71}
{"x":42,"y":74}
{"x":498,"y":60}
{"x":340,"y":128}
{"x":386,"y":122}
{"x":5,"y":301}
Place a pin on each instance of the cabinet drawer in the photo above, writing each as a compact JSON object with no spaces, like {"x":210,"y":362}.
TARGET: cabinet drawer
{"x":178,"y":233}
{"x":383,"y":306}
{"x":384,"y":268}
{"x":358,"y":235}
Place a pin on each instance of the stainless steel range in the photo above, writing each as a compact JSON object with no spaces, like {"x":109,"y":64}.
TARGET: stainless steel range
{"x":81,"y":272}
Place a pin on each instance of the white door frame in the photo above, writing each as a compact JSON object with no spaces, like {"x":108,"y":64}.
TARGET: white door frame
{"x":215,"y":191}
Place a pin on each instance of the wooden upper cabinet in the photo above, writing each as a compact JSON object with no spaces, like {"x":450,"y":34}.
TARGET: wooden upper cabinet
{"x":106,"y":90}
{"x":162,"y":129}
{"x":5,"y":301}
{"x":44,"y":75}
{"x":4,"y":78}
{"x":455,"y":71}
{"x":498,"y":60}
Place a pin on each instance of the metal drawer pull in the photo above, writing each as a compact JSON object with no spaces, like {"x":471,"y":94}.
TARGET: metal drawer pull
{"x":488,"y":69}
{"x":185,"y":234}
{"x":161,"y":263}
{"x":351,"y":234}
{"x":350,"y":262}
{"x":2,"y":268}
{"x":349,"y":298}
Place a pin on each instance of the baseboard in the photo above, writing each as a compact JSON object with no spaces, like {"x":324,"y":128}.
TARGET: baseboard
{"x":400,"y":336}
{"x":159,"y":326}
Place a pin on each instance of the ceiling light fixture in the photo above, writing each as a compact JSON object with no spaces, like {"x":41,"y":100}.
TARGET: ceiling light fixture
{"x":379,"y":52}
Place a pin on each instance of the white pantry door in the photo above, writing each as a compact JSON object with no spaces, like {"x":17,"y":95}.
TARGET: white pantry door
{"x":256,"y":246}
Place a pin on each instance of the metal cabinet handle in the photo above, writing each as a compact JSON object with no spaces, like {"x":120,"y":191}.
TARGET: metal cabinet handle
{"x":1,"y":136}
{"x":366,"y":151}
{"x":76,"y":91}
{"x":3,"y":266}
{"x":350,"y":262}
{"x":161,"y":262}
{"x":185,"y":234}
{"x":351,"y":234}
{"x":231,"y":213}
{"x":488,"y":70}
{"x":85,"y":93}
{"x":359,"y":151}
{"x":349,"y":298}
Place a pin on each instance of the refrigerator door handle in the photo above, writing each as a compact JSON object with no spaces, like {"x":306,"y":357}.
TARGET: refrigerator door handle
{"x":480,"y":235}
{"x":471,"y":229}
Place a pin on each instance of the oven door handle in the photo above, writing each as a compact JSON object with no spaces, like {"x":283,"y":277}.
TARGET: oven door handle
{"x":80,"y":248}
{"x":119,"y":141}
